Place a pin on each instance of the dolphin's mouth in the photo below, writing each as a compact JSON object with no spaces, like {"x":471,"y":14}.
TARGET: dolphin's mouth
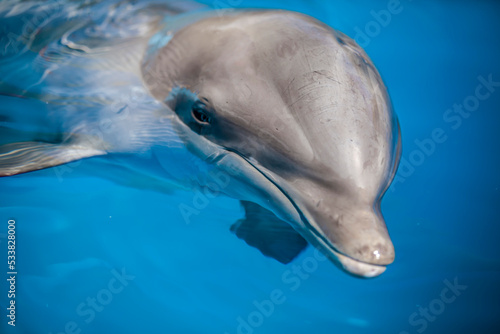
{"x":348,"y":264}
{"x":344,"y":262}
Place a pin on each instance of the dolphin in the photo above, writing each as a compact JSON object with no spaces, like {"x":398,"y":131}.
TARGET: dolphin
{"x":290,"y":112}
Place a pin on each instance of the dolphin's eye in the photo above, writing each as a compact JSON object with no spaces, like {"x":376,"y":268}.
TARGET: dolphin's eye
{"x":200,"y":113}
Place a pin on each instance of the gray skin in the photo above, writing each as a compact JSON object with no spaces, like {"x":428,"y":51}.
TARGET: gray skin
{"x":299,"y":111}
{"x":292,"y":112}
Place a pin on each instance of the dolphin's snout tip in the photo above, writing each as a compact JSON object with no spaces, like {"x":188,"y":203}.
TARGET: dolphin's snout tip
{"x":368,"y":261}
{"x":365,"y":238}
{"x":380,"y":254}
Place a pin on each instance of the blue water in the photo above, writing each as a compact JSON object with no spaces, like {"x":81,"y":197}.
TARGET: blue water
{"x":77,"y":230}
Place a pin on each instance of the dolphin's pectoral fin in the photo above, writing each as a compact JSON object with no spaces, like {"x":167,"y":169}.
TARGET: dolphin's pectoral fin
{"x":273,"y":237}
{"x":17,"y":158}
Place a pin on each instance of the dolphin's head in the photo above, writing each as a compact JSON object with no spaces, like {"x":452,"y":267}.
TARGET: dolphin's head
{"x":300,"y":105}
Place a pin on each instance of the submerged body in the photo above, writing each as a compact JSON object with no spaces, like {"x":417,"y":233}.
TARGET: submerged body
{"x":293,"y":113}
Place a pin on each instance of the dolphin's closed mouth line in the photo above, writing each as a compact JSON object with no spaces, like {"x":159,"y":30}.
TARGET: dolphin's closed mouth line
{"x":302,"y":216}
